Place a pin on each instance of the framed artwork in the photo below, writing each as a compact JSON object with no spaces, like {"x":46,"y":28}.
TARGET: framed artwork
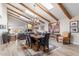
{"x":2,"y":26}
{"x":54,"y":27}
{"x":74,"y":23}
{"x":74,"y":27}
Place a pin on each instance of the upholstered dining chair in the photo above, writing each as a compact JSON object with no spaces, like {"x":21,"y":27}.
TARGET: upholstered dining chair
{"x":28,"y":40}
{"x":44,"y":42}
{"x":66,"y":37}
{"x":21,"y":36}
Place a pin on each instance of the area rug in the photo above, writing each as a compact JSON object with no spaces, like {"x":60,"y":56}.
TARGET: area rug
{"x":31,"y":52}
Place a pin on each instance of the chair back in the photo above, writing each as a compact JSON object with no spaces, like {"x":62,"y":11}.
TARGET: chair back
{"x":21,"y":36}
{"x":66,"y":34}
{"x":47,"y":36}
{"x":28,"y":36}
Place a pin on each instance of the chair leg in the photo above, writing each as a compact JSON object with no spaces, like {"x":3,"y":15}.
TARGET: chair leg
{"x":30,"y":45}
{"x":26,"y":42}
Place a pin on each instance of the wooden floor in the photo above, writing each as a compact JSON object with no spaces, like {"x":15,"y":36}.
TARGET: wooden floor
{"x":14,"y":49}
{"x":64,"y":50}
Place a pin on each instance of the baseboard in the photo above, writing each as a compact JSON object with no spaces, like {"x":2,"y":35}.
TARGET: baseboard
{"x":77,"y":43}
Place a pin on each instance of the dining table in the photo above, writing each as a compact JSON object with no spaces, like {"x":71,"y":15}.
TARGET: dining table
{"x":37,"y":38}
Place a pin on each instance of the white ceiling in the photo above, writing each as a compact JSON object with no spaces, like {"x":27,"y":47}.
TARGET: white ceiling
{"x":57,"y":13}
{"x":72,"y":8}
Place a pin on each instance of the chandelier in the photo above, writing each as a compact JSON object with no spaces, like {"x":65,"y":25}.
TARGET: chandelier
{"x":35,"y":19}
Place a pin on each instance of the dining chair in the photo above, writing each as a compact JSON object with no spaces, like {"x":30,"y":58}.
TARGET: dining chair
{"x":66,"y":37}
{"x":47,"y":35}
{"x":21,"y":36}
{"x":45,"y":42}
{"x":6,"y":37}
{"x":28,"y":40}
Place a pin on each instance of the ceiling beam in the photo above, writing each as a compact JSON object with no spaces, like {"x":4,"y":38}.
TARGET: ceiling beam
{"x":15,"y":7}
{"x":47,"y":11}
{"x":17,"y":16}
{"x":18,"y":9}
{"x":12,"y":13}
{"x":61,"y":6}
{"x":21,"y":11}
{"x":18,"y":13}
{"x":33,"y":11}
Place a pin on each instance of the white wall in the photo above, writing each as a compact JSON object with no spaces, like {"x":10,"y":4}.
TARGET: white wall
{"x":45,"y":26}
{"x":16,"y":23}
{"x":65,"y":27}
{"x":75,"y":38}
{"x":3,"y":19}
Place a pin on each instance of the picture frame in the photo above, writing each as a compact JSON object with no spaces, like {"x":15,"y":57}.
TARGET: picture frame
{"x":74,"y":23}
{"x":74,"y":27}
{"x":2,"y":26}
{"x":54,"y":27}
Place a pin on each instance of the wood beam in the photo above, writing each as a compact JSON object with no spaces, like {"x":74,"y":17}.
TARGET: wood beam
{"x":21,"y":11}
{"x":12,"y":13}
{"x":33,"y":11}
{"x":17,"y":18}
{"x":18,"y":13}
{"x":47,"y":11}
{"x":15,"y":7}
{"x":18,"y":9}
{"x":64,"y":10}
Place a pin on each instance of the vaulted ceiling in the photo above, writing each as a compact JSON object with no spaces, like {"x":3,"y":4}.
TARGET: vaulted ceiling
{"x":28,"y":11}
